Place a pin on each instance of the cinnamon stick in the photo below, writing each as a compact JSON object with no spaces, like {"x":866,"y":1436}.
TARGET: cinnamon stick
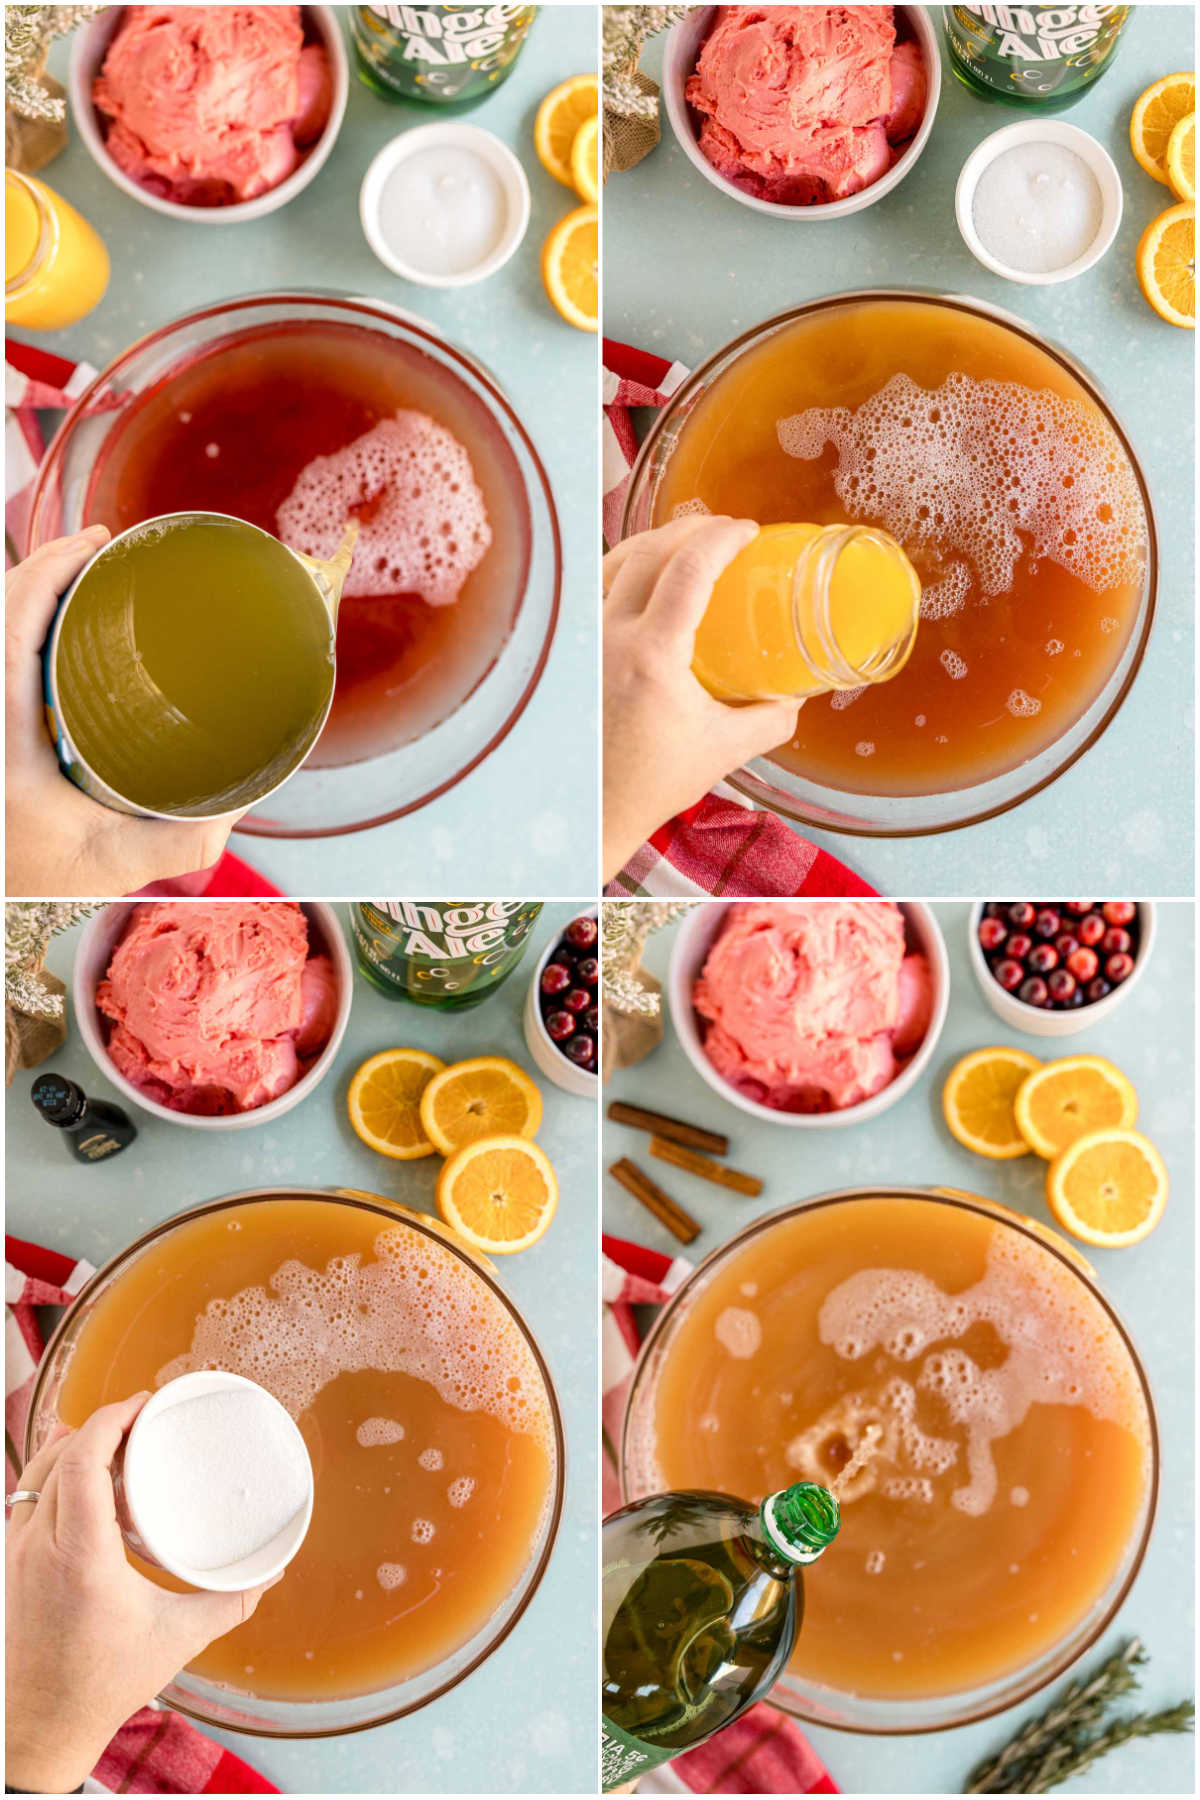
{"x":677,"y":1131}
{"x":695,"y":1164}
{"x":679,"y":1223}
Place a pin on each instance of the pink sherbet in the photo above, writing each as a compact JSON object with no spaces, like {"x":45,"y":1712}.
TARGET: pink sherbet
{"x":318,"y":1005}
{"x":206,"y":103}
{"x":798,"y":100}
{"x":208,"y":1004}
{"x":803,"y":1000}
{"x":916,"y":1005}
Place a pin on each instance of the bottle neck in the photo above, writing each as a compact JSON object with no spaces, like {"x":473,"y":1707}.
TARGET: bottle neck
{"x":820,"y":630}
{"x":800,"y":1522}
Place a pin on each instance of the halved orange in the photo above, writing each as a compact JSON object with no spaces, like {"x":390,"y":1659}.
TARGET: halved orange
{"x":1166,"y":264}
{"x":1108,"y":1188}
{"x":977,"y":1101}
{"x":485,"y":1096}
{"x":571,"y":267}
{"x":585,"y":161}
{"x":385,"y":1099}
{"x":1155,"y":115}
{"x":499,"y":1193}
{"x":1067,"y":1099}
{"x":562,"y":112}
{"x":1180,"y":158}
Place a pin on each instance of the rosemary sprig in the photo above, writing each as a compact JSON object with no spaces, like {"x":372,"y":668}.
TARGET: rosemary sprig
{"x":1071,"y":1735}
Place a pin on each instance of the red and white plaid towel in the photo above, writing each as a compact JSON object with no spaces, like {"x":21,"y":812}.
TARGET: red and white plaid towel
{"x":157,"y":1751}
{"x":725,"y":845}
{"x":763,"y":1752}
{"x":36,"y":381}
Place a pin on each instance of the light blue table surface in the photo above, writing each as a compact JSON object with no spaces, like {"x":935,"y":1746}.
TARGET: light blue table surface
{"x":1151,"y":1284}
{"x":523,"y":1722}
{"x":1124,"y":814}
{"x":504,"y":828}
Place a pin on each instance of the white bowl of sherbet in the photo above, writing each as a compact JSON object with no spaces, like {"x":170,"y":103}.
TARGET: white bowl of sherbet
{"x":809,"y":1013}
{"x":213,"y":114}
{"x":803,"y":112}
{"x":218,"y":1014}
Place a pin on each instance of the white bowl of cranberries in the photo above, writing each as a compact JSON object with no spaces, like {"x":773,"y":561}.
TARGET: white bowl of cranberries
{"x":562,"y":1008}
{"x":1053,"y":967}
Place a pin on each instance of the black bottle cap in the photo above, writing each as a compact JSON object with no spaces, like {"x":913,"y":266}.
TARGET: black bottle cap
{"x":59,"y":1101}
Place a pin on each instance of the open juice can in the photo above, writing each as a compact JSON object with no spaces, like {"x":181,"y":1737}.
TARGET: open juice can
{"x":191,"y":666}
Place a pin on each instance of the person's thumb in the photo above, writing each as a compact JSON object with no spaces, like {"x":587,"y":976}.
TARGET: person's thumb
{"x":754,"y":730}
{"x":197,"y":1620}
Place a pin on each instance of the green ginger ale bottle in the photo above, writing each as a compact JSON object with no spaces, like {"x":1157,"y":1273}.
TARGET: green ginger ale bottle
{"x":442,"y":55}
{"x":448,"y":954}
{"x":1032,"y":55}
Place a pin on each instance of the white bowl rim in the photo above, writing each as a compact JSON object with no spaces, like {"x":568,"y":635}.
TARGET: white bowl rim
{"x":87,"y":1018}
{"x":492,"y":150}
{"x":678,"y":114}
{"x":591,"y":1076}
{"x":1084,"y":1017}
{"x":1033,"y":131}
{"x":104,"y":25}
{"x":687,"y":1032}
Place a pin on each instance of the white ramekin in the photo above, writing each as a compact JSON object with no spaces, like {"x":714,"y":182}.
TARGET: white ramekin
{"x":249,"y":1571}
{"x":544,"y":1051}
{"x":679,"y":61}
{"x":1035,"y":1021}
{"x":449,"y":134}
{"x":89,"y":46}
{"x":692,"y":942}
{"x":1040,"y":131}
{"x":97,"y":942}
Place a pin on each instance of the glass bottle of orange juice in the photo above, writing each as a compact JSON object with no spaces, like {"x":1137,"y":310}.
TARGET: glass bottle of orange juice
{"x":55,"y":265}
{"x":806,"y":609}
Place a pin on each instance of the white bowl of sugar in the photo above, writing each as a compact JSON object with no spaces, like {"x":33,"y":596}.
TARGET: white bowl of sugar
{"x":215,"y":1484}
{"x":1038,"y":202}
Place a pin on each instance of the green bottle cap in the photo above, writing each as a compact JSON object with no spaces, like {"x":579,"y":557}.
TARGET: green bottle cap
{"x":801,"y":1521}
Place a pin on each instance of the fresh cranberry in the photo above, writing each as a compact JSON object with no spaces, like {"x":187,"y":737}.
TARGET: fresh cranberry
{"x":1119,"y":967}
{"x":581,"y":1049}
{"x":1019,"y":945}
{"x":995,"y":909}
{"x":1009,"y":974}
{"x":1083,"y":964}
{"x":1047,"y":924}
{"x":588,"y":971}
{"x":1043,"y":958}
{"x":1116,"y":940}
{"x":992,"y":933}
{"x":578,"y":1000}
{"x":582,"y":933}
{"x":1079,"y":907}
{"x":560,"y":1025}
{"x":591,"y":1019}
{"x":566,"y":953}
{"x":1034,"y":992}
{"x":1065,"y":943}
{"x":1098,"y":990}
{"x":1062,"y":985}
{"x":555,"y":977}
{"x":1091,"y":928}
{"x":1021,"y":914}
{"x":1120,"y":912}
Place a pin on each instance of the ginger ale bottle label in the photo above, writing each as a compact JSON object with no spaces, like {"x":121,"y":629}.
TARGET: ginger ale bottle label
{"x":623,"y":1758}
{"x":1032,"y":54}
{"x":449,"y":954}
{"x":446,"y":55}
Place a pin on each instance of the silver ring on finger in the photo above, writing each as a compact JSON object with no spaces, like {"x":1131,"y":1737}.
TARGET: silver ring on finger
{"x":19,"y":1496}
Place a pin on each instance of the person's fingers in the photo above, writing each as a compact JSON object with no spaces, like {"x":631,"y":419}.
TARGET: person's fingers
{"x":34,"y":1477}
{"x":31,"y":595}
{"x":684,"y":588}
{"x":155,"y":850}
{"x":632,"y":567}
{"x":754,"y":730}
{"x":81,"y":1480}
{"x":198,"y":1619}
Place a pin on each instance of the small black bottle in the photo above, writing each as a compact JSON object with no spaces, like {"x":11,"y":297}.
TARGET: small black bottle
{"x":94,"y":1129}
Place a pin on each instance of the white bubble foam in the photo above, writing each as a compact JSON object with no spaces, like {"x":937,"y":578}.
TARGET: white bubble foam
{"x":845,"y":697}
{"x":460,"y":1490}
{"x":379,"y":1431}
{"x":1054,"y":647}
{"x":982,"y":471}
{"x":953,"y":664}
{"x":875,"y":1562}
{"x":943,"y":598}
{"x":390,"y":1575}
{"x":431,"y":1459}
{"x":739,"y":1331}
{"x":422,"y":517}
{"x":686,"y":507}
{"x":1022,"y":705}
{"x":864,"y":748}
{"x":423,"y":1531}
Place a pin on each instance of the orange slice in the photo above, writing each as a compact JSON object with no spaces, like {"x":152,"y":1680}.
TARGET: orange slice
{"x":571,"y":267}
{"x":1067,"y":1099}
{"x":1166,"y":265}
{"x":977,"y":1101}
{"x":385,"y":1099}
{"x":1155,"y":116}
{"x":1180,"y":159}
{"x":1108,"y":1188}
{"x":499,"y":1193}
{"x":585,"y":161}
{"x":559,"y":117}
{"x":486,"y":1096}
